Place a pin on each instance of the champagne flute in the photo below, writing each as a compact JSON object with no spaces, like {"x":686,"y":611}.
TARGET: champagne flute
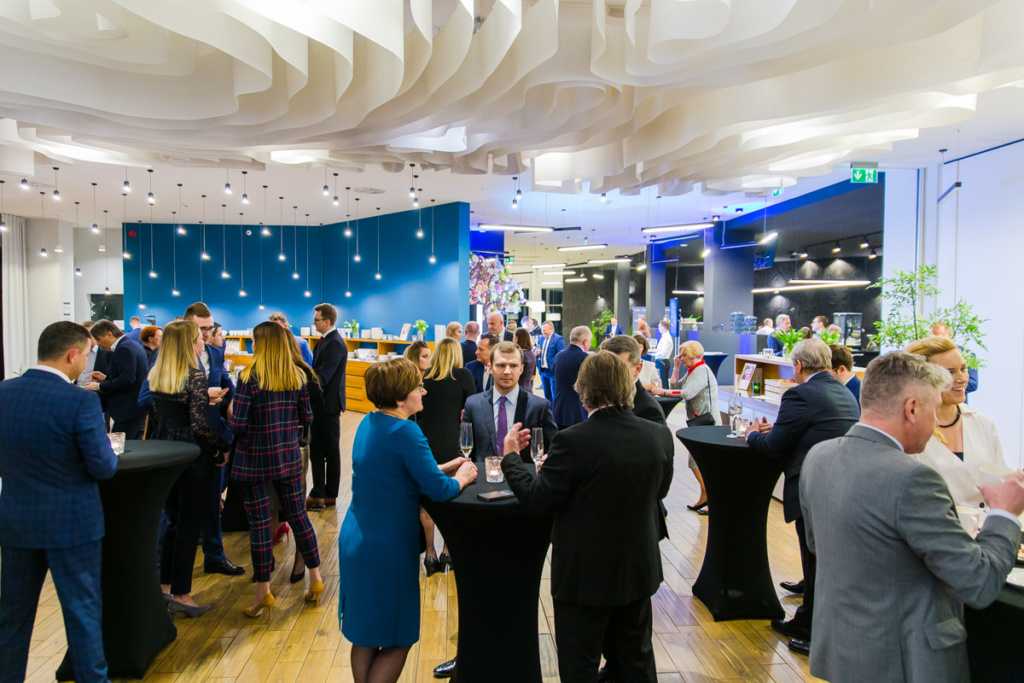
{"x":537,"y":444}
{"x":735,"y":409}
{"x":466,"y":438}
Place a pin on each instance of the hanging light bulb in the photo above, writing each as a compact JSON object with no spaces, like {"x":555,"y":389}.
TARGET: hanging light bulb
{"x":412,"y":188}
{"x":377,"y":276}
{"x":604,"y":198}
{"x":42,"y":252}
{"x":419,"y":233}
{"x":24,"y":183}
{"x":416,"y":202}
{"x":225,"y":274}
{"x":245,"y":195}
{"x":348,"y":231}
{"x":78,"y":272}
{"x":412,"y":192}
{"x":95,"y":229}
{"x":282,"y":257}
{"x":295,"y":275}
{"x":152,"y":274}
{"x":175,"y":292}
{"x":56,"y":192}
{"x":266,"y":231}
{"x":242,"y":292}
{"x":519,"y":194}
{"x":106,"y":290}
{"x":432,"y":259}
{"x":348,"y":293}
{"x":308,"y":293}
{"x":357,"y":258}
{"x":227,"y":183}
{"x":335,"y":200}
{"x":149,"y":197}
{"x":127,"y":256}
{"x":515,"y":203}
{"x":327,"y":191}
{"x":262,"y":307}
{"x":142,"y":306}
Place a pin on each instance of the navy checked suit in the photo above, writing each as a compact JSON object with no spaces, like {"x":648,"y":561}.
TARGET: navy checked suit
{"x":53,"y":449}
{"x":128,"y":369}
{"x":330,"y":358}
{"x":266,"y":426}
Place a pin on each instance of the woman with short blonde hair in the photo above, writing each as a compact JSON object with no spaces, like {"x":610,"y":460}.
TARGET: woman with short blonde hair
{"x":454,"y":330}
{"x":964,"y":440}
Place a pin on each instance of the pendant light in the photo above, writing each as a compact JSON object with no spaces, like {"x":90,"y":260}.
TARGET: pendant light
{"x":124,"y":228}
{"x":42,"y":214}
{"x":142,"y":306}
{"x":295,"y":243}
{"x":419,"y":229}
{"x":24,"y":183}
{"x":174,"y":250}
{"x":126,"y":188}
{"x":327,"y":190}
{"x":203,"y":255}
{"x":241,"y":254}
{"x":56,"y":186}
{"x":149,"y":197}
{"x":377,"y":276}
{"x":266,"y":228}
{"x":103,"y":244}
{"x":516,"y":193}
{"x":3,"y":223}
{"x":180,"y":228}
{"x":307,"y":293}
{"x":348,"y":215}
{"x":335,"y":189}
{"x":95,"y":227}
{"x":432,"y":259}
{"x":357,"y":258}
{"x":262,"y":307}
{"x":224,"y":274}
{"x":227,"y":181}
{"x":152,"y":273}
{"x":280,"y":228}
{"x":245,"y":194}
{"x":348,"y":269}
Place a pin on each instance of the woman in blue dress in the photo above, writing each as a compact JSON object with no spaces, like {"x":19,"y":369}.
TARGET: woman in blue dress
{"x":378,"y":548}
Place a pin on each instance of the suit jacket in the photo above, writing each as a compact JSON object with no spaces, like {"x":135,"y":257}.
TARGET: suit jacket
{"x":817,"y":410}
{"x":854,"y":386}
{"x":531,"y":410}
{"x":776,"y":345}
{"x":556,"y":345}
{"x":135,"y":335}
{"x":568,"y":409}
{"x":53,"y":449}
{"x":329,"y":360}
{"x":508,"y":336}
{"x":894,"y":564}
{"x":479,"y":372}
{"x":609,"y":332}
{"x":646,"y":407}
{"x":602,"y":479}
{"x":120,"y":390}
{"x":468,"y":352}
{"x":217,"y":377}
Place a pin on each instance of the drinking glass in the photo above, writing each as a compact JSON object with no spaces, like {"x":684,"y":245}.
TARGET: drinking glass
{"x":466,"y":438}
{"x":537,"y":444}
{"x":739,"y":428}
{"x":116,"y":442}
{"x":735,"y":409}
{"x":493,"y":468}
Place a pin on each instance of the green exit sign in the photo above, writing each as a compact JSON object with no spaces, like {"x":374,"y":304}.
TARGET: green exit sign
{"x":864,"y":175}
{"x":510,"y":259}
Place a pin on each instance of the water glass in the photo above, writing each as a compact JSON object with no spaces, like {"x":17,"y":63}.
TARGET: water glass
{"x":537,"y":444}
{"x":493,"y":468}
{"x":116,"y":442}
{"x":739,"y":427}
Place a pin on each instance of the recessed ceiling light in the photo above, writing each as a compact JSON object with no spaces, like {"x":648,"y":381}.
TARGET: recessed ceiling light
{"x":582,"y":247}
{"x":676,"y":228}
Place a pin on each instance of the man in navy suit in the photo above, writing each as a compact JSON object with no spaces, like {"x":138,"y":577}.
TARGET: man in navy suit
{"x":53,"y":450}
{"x":120,"y":385}
{"x":472,"y":331}
{"x":479,"y":367}
{"x":568,"y":408}
{"x":329,"y":361}
{"x":135,"y":329}
{"x":546,"y":348}
{"x":817,"y":409}
{"x":842,"y":369}
{"x":613,"y":329}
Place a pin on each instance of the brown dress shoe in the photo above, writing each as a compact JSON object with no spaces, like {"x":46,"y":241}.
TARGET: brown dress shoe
{"x":330,"y":502}
{"x":314,"y":503}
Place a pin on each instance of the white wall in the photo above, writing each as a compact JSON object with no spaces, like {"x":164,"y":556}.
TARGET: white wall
{"x":50,"y":280}
{"x":99,"y":269}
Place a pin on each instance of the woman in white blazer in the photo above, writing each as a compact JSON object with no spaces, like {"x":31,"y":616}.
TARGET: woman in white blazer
{"x":964,"y":440}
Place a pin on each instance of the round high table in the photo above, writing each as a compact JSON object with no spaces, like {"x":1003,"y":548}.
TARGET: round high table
{"x":668,"y":403}
{"x":994,"y":651}
{"x":498,"y":553}
{"x":735,"y":581}
{"x":714,"y":360}
{"x":136,"y":625}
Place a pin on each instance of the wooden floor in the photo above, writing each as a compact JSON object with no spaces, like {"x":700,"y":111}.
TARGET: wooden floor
{"x":302,"y":643}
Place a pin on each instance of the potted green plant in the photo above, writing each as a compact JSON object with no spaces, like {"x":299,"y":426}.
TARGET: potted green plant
{"x":421,"y":328}
{"x":352,"y":325}
{"x":599,"y":324}
{"x":829,"y":337}
{"x":789,"y":339}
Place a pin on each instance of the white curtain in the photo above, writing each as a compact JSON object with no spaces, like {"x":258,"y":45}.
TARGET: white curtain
{"x":15,"y":292}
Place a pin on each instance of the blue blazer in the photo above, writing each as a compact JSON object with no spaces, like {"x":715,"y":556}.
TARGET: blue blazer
{"x":53,"y":449}
{"x":531,"y":410}
{"x":608,"y":332}
{"x":307,"y":355}
{"x":479,"y":372}
{"x":568,"y":407}
{"x":554,"y":348}
{"x":129,"y":366}
{"x":854,"y":386}
{"x":468,"y":352}
{"x":218,"y":378}
{"x":134,"y":335}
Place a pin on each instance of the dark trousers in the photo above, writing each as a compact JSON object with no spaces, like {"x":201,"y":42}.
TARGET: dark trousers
{"x":809,"y":562}
{"x":76,"y":576}
{"x":184,"y":509}
{"x":547,"y":382}
{"x":664,"y":367}
{"x":325,"y":455}
{"x":622,"y":633}
{"x":293,"y":510}
{"x":133,"y":428}
{"x":213,"y":540}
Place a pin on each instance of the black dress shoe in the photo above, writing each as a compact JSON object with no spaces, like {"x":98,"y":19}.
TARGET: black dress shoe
{"x":446,"y":670}
{"x":800,"y":646}
{"x":446,"y":562}
{"x":223,"y":567}
{"x":788,"y":628}
{"x":794,"y":587}
{"x":431,"y":565}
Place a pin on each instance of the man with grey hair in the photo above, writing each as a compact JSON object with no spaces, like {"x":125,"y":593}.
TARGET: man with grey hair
{"x":567,"y":407}
{"x":783,"y":323}
{"x":896,"y":566}
{"x":819,"y":408}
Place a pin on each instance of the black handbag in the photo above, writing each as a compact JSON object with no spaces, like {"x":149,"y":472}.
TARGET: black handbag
{"x":707,"y":419}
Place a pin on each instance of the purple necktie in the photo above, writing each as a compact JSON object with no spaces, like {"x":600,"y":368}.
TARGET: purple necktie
{"x":502,"y":426}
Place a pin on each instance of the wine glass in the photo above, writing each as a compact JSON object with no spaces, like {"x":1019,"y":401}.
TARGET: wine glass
{"x":537,"y":444}
{"x":466,"y":438}
{"x":735,"y":409}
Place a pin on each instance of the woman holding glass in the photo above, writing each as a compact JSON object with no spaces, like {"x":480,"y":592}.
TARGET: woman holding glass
{"x":964,"y":440}
{"x":271,"y":404}
{"x":180,"y":401}
{"x":448,"y":385}
{"x":419,"y":353}
{"x":392,"y":466}
{"x":648,"y":373}
{"x":699,"y":389}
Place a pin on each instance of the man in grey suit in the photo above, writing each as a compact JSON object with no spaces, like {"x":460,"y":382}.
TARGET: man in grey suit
{"x":895,"y":567}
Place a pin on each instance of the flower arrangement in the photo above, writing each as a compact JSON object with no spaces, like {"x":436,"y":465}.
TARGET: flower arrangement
{"x":491,"y":286}
{"x":421,"y":327}
{"x":789,"y":339}
{"x":829,"y":337}
{"x":352,"y":325}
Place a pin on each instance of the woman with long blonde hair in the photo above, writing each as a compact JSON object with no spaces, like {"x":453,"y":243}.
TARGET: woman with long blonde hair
{"x":419,"y":353}
{"x":179,"y":413}
{"x":270,"y":407}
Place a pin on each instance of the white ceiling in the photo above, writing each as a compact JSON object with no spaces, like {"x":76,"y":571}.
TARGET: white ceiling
{"x":573,"y":98}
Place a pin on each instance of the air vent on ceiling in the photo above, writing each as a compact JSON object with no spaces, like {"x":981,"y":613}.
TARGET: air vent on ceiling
{"x":367,"y":190}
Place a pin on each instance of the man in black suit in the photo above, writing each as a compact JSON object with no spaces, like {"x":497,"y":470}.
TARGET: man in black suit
{"x":496,"y":326}
{"x":817,"y":409}
{"x":472,"y":331}
{"x":644,"y":405}
{"x":120,"y":385}
{"x":329,"y":360}
{"x":567,"y":407}
{"x":602,"y":480}
{"x":479,"y":367}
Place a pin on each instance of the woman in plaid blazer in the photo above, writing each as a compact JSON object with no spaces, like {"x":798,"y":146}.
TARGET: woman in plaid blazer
{"x":270,"y":406}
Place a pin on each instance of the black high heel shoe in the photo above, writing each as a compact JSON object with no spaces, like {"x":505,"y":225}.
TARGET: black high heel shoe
{"x":295,"y":578}
{"x":431,"y":565}
{"x":697,"y":508}
{"x":446,"y":562}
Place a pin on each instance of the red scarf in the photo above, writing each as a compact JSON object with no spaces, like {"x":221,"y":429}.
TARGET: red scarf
{"x":695,"y":366}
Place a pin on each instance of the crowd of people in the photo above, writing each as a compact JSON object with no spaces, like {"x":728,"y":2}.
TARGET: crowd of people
{"x":861,"y":510}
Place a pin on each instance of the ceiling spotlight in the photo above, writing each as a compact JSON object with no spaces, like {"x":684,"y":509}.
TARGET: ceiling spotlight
{"x":769,"y":237}
{"x":242,"y":292}
{"x":864,"y":243}
{"x":245,"y":198}
{"x":78,"y":272}
{"x":307,"y":293}
{"x":873,"y":254}
{"x":150,"y":198}
{"x":357,"y":258}
{"x":432,"y":259}
{"x":704,"y":254}
{"x":142,"y":306}
{"x":335,"y":200}
{"x":262,"y":307}
{"x":58,"y":249}
{"x":838,"y":248}
{"x":24,"y":183}
{"x":377,"y":276}
{"x":204,"y":256}
{"x":95,"y":229}
{"x":181,"y":229}
{"x":295,"y":275}
{"x":266,"y":231}
{"x":127,"y":256}
{"x":106,"y":290}
{"x":604,"y":198}
{"x":42,"y":252}
{"x":225,"y":275}
{"x":175,"y":292}
{"x":152,"y":274}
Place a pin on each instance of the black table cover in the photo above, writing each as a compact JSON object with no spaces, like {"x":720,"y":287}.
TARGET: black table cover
{"x":735,"y":581}
{"x":714,"y":360}
{"x":136,"y":625}
{"x":994,"y":650}
{"x":668,"y":403}
{"x":498,"y":553}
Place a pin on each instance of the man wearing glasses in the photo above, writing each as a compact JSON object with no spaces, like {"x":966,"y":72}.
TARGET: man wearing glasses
{"x":329,"y":360}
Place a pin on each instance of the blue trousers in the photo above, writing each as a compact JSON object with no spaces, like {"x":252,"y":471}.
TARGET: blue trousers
{"x":547,"y":381}
{"x":213,"y":538}
{"x":664,"y":367}
{"x":76,"y":576}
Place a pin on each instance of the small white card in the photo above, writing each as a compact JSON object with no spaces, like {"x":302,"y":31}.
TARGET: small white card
{"x":405,"y":331}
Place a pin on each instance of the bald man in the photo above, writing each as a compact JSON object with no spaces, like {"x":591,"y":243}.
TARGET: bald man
{"x":496,"y":326}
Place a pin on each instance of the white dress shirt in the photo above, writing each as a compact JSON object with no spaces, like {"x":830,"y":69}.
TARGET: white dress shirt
{"x":544,"y":351}
{"x":204,"y":362}
{"x":53,"y":371}
{"x":663,"y":350}
{"x":90,"y":365}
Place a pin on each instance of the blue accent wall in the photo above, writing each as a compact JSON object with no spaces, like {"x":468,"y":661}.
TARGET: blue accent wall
{"x":410,"y":287}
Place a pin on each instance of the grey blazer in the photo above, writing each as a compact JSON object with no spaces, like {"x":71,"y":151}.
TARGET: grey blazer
{"x":894,"y":565}
{"x":531,"y":410}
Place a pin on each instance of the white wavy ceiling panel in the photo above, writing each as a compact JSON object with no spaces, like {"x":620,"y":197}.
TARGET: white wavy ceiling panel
{"x":737,"y":94}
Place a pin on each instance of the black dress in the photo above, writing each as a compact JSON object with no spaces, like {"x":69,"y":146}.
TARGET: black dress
{"x":442,"y":412}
